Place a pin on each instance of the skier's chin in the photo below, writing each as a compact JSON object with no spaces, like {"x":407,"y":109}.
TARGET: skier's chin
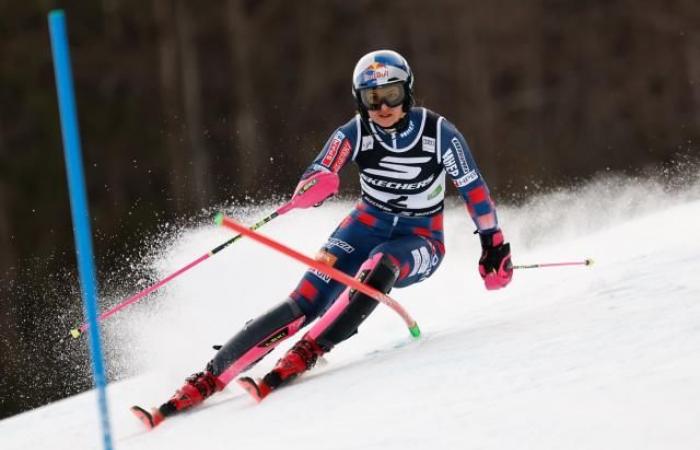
{"x":386,"y":120}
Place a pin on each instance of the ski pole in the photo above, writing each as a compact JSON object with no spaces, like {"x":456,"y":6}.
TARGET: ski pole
{"x":336,"y":274}
{"x":585,"y":262}
{"x":77,"y":332}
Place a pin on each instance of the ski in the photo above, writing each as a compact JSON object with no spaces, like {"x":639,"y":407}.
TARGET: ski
{"x":257,"y":389}
{"x":150,"y":419}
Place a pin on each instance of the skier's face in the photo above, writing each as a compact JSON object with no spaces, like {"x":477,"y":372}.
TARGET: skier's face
{"x":386,"y":116}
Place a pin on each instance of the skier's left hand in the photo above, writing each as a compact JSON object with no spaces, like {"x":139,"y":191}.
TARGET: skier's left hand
{"x":495,"y":266}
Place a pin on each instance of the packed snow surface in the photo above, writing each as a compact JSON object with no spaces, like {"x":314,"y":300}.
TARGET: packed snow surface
{"x":601,"y":357}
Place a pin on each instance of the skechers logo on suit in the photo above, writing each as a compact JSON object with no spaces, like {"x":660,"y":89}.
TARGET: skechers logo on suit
{"x":399,"y":168}
{"x":397,"y":185}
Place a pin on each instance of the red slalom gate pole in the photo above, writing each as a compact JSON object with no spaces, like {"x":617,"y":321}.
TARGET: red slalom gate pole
{"x":327,"y":270}
{"x":77,"y":332}
{"x":585,"y":262}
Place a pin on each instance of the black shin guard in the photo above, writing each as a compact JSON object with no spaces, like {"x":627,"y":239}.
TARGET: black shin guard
{"x":254,"y":332}
{"x":382,"y":277}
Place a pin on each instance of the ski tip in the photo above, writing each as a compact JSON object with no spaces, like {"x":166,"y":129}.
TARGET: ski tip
{"x":415,"y":331}
{"x":219,"y":218}
{"x":75,"y":333}
{"x":251,"y":386}
{"x":149,"y":419}
{"x":589,"y":262}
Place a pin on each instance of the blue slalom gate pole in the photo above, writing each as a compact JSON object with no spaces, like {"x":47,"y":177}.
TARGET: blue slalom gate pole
{"x":79,"y":206}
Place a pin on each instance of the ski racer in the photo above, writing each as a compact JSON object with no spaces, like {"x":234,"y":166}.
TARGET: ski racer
{"x":392,"y":238}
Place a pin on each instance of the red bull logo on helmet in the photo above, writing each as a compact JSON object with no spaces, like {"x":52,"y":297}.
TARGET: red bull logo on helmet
{"x":376,"y":71}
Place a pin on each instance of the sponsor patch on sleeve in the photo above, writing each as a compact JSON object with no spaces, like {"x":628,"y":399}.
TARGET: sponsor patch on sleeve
{"x":333,"y":147}
{"x":342,"y":157}
{"x":466,"y":179}
{"x":448,"y":160}
{"x":459,"y":150}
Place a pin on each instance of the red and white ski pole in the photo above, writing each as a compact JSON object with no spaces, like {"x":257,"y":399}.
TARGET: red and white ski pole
{"x":336,"y":274}
{"x":585,"y":262}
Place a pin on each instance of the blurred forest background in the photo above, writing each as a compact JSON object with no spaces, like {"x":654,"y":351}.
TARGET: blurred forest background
{"x":185,"y":105}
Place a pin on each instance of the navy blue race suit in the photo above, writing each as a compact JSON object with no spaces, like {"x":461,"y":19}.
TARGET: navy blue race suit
{"x":400,"y":215}
{"x":402,"y":175}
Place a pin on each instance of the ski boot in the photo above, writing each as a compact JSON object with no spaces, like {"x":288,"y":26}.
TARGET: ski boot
{"x":196,"y":389}
{"x":300,"y":358}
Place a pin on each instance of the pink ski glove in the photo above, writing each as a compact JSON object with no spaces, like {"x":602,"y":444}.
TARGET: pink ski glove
{"x":495,"y":266}
{"x":315,"y":189}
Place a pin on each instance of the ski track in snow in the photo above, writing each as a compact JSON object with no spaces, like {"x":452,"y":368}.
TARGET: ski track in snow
{"x":565,"y":358}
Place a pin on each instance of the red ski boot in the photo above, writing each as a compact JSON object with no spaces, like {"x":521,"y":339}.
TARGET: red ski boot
{"x":300,"y":358}
{"x":197,"y":387}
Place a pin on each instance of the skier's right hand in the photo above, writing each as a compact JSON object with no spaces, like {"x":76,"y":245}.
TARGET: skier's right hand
{"x":495,"y":266}
{"x":315,"y":188}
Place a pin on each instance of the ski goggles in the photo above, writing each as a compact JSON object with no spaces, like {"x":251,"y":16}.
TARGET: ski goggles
{"x":391,"y":95}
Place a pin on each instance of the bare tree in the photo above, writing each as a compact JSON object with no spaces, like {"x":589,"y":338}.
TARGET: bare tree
{"x":192,"y":92}
{"x":164,"y":13}
{"x":251,"y":147}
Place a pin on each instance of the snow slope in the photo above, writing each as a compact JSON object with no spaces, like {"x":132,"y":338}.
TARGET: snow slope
{"x":606,"y":357}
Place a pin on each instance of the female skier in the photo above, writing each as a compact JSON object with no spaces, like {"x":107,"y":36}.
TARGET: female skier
{"x":392,"y":238}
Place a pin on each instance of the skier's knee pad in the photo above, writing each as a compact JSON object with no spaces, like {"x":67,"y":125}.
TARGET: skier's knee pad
{"x":381,"y":277}
{"x":264,"y":332}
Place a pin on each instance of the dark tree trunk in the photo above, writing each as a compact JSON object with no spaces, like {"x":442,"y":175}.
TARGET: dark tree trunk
{"x":196,"y":151}
{"x":171,"y":119}
{"x":250,"y":145}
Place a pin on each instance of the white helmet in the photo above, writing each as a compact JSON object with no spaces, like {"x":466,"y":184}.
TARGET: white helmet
{"x":381,"y":68}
